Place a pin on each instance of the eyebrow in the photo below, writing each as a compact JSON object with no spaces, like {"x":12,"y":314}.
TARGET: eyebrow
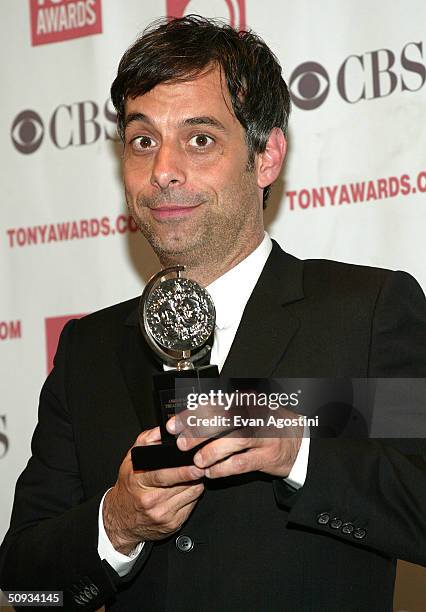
{"x":132,"y":117}
{"x":190,"y":121}
{"x":205,"y":120}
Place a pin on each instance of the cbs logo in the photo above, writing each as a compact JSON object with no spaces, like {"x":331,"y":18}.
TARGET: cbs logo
{"x":368,"y":76}
{"x":69,"y":125}
{"x":4,"y":440}
{"x":27,"y":131}
{"x":309,"y":85}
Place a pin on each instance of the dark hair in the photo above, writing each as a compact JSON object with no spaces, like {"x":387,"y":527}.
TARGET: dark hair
{"x":178,"y":50}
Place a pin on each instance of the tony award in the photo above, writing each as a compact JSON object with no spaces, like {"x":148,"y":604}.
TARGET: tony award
{"x":177,"y":319}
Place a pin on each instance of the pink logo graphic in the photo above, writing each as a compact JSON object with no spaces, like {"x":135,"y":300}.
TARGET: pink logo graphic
{"x":233,"y":10}
{"x":53,"y":327}
{"x":56,"y":20}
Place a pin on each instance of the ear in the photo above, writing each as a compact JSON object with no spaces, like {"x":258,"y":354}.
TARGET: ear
{"x":269,"y":163}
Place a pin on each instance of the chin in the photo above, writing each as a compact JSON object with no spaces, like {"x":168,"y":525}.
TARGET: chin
{"x":172,"y":243}
{"x":171,"y":248}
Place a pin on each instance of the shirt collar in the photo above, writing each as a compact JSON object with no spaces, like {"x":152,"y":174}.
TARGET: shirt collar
{"x":231,"y":291}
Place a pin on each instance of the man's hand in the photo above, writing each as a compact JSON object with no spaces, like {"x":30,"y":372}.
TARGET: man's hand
{"x":229,"y":455}
{"x":149,"y":505}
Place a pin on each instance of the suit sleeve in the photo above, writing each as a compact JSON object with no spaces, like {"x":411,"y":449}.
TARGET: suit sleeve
{"x":372,"y":493}
{"x":53,"y":536}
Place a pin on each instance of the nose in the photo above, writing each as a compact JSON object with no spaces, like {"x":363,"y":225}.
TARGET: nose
{"x":168,"y":168}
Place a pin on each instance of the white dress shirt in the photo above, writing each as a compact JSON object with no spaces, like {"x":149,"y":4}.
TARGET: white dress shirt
{"x":230,"y":294}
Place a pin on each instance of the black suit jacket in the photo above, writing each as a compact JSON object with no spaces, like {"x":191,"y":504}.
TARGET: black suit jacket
{"x":258,"y":545}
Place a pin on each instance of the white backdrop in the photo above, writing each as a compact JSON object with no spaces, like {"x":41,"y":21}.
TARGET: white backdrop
{"x":353,"y":189}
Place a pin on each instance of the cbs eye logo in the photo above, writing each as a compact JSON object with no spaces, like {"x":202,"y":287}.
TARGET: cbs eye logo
{"x":27,"y":131}
{"x":309,"y":85}
{"x":4,"y":440}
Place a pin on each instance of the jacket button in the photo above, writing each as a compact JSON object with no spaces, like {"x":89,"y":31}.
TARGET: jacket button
{"x":323,"y":518}
{"x":336,"y":523}
{"x":88,"y":593}
{"x":347,"y":528}
{"x":184,"y":543}
{"x":359,"y":533}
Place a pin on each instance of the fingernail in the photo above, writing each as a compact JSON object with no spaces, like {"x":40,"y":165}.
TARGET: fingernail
{"x":198,"y":459}
{"x":207,"y":472}
{"x":171,"y":425}
{"x":182,"y":443}
{"x":151,"y":437}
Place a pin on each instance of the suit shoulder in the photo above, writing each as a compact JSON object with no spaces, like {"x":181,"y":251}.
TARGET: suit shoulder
{"x":339,"y":268}
{"x":335,"y":275}
{"x":110,"y":320}
{"x":360,"y":284}
{"x":324,"y":273}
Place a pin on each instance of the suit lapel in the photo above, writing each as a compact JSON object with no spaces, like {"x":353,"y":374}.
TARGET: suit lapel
{"x":267,"y":325}
{"x":138,"y":366}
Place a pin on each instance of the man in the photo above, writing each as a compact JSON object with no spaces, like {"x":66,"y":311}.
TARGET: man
{"x":254,"y":524}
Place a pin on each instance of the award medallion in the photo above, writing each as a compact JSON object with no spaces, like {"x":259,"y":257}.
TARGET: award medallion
{"x":177,"y":319}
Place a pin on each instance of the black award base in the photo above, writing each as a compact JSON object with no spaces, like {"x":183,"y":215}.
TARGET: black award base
{"x":170,"y":393}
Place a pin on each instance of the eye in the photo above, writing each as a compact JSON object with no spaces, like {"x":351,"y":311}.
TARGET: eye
{"x":201,"y":141}
{"x":143,"y":142}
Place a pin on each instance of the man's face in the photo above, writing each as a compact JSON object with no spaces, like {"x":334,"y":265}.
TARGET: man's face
{"x":185,"y":173}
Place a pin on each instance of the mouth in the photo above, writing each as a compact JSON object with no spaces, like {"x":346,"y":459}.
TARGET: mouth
{"x":169,"y":211}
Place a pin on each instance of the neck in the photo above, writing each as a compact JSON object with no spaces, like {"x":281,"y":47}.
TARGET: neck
{"x":206,"y":268}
